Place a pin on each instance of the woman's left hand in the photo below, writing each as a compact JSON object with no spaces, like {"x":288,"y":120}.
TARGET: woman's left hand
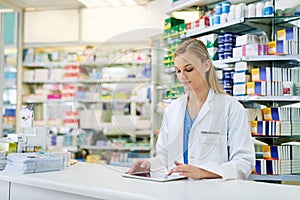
{"x":192,"y":171}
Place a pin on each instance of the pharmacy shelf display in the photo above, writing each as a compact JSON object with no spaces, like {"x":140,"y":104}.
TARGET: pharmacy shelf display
{"x":73,"y":91}
{"x":257,"y":61}
{"x":9,"y":91}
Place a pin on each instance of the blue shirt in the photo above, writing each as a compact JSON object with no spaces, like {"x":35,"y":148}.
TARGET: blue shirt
{"x":188,"y":123}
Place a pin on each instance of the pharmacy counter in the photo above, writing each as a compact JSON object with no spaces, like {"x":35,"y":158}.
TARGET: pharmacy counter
{"x":91,"y":181}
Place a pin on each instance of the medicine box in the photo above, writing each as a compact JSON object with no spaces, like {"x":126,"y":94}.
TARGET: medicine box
{"x":239,"y":89}
{"x":213,"y":53}
{"x":241,"y":66}
{"x":251,"y":49}
{"x":212,"y":40}
{"x":246,"y":39}
{"x":240,"y":77}
{"x":272,"y":48}
{"x":172,"y":21}
{"x":237,"y":52}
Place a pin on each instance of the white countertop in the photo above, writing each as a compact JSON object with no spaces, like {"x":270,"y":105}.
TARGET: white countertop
{"x":106,"y":182}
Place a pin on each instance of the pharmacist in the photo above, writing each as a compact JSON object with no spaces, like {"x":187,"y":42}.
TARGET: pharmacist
{"x":204,"y":133}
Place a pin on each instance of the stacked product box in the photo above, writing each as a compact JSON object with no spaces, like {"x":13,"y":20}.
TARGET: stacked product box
{"x":250,"y":45}
{"x":71,"y":119}
{"x":275,"y":121}
{"x":2,"y":160}
{"x":283,"y":159}
{"x":228,"y":80}
{"x":273,"y":81}
{"x":226,"y":43}
{"x":211,"y":43}
{"x":287,"y":42}
{"x":174,"y":30}
{"x":240,"y":78}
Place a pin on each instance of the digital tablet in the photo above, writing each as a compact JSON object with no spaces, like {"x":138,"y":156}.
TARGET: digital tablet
{"x":154,"y":176}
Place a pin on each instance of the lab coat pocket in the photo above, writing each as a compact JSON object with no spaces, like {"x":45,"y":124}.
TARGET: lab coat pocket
{"x":209,"y":141}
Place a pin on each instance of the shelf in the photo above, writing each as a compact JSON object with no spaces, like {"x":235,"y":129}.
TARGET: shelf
{"x":94,"y":64}
{"x":83,"y":101}
{"x":129,"y":133}
{"x":147,"y":80}
{"x":169,"y":70}
{"x":224,"y":63}
{"x":49,"y":101}
{"x":291,"y":59}
{"x":183,"y":4}
{"x":269,"y":98}
{"x":228,"y":27}
{"x":132,"y":80}
{"x":270,"y":136}
{"x":112,"y":64}
{"x":51,"y":82}
{"x":8,"y":126}
{"x":105,"y":101}
{"x":162,"y":88}
{"x":272,"y":58}
{"x":49,"y":64}
{"x":287,"y":177}
{"x":244,"y":25}
{"x":115,"y":147}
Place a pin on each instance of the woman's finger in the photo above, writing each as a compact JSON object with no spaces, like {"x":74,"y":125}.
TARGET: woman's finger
{"x":177,"y":163}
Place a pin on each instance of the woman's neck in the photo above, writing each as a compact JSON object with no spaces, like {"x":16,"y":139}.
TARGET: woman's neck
{"x":198,"y":97}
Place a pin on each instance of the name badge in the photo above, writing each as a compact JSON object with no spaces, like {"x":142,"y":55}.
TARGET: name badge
{"x":210,"y":132}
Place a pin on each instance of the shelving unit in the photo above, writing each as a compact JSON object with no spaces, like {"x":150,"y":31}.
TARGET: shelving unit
{"x":253,"y":25}
{"x":103,"y":88}
{"x":8,"y":75}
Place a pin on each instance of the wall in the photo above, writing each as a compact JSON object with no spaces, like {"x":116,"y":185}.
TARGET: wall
{"x":136,"y":23}
{"x":51,"y":26}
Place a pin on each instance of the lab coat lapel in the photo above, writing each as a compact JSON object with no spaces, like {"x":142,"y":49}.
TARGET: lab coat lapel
{"x":204,"y":111}
{"x":176,"y":153}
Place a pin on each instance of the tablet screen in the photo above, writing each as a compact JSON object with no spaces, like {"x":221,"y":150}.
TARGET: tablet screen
{"x":154,"y":176}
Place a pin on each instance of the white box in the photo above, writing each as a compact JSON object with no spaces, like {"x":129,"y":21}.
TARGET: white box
{"x":41,"y":74}
{"x":237,"y":52}
{"x":240,"y":77}
{"x":56,"y":74}
{"x":239,"y":89}
{"x":28,"y":75}
{"x":241,"y":66}
{"x":246,"y":39}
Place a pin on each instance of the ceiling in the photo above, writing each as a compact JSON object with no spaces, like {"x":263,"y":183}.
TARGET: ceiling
{"x":48,"y":4}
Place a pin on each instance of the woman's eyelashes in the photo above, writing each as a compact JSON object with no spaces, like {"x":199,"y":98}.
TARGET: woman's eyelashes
{"x":186,"y":69}
{"x":189,"y":69}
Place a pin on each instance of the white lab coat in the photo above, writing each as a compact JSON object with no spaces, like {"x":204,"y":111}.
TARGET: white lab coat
{"x":219,"y":140}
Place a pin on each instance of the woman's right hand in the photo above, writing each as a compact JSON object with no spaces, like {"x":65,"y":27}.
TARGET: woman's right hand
{"x":140,"y":166}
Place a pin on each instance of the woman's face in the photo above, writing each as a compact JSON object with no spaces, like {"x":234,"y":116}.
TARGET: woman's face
{"x":190,"y":71}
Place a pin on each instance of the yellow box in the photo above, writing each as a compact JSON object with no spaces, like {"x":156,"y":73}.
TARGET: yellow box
{"x":266,"y":150}
{"x":254,"y":127}
{"x":281,"y":34}
{"x":267,"y":113}
{"x":272,"y":48}
{"x":255,"y":75}
{"x":8,"y":147}
{"x":250,"y":88}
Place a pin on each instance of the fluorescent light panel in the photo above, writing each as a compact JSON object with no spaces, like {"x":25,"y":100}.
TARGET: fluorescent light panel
{"x":107,"y":3}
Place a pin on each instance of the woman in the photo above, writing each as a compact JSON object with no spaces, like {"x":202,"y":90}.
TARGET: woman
{"x":204,"y":133}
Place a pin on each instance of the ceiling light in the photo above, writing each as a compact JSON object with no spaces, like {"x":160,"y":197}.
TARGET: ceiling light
{"x":110,"y":3}
{"x":6,"y":10}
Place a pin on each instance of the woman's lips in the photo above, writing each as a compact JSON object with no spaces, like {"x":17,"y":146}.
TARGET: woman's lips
{"x":186,"y":82}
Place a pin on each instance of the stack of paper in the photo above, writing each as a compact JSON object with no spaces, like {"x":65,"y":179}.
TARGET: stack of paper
{"x":2,"y":160}
{"x":25,"y":163}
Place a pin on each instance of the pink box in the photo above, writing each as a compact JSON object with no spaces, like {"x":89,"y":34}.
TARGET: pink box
{"x":54,"y":96}
{"x":251,"y":50}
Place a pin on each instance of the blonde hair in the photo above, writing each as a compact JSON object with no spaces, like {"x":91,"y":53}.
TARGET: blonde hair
{"x":198,"y":48}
